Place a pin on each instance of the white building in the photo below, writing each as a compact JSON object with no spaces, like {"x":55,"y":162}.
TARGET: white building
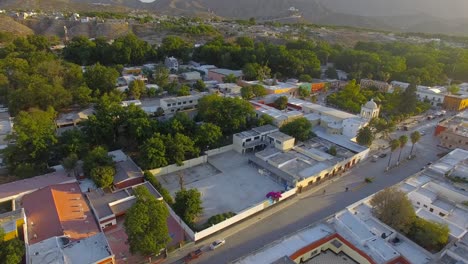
{"x":171,"y":63}
{"x":180,"y":103}
{"x":370,"y":110}
{"x":401,"y":85}
{"x":435,"y":95}
{"x":252,"y":139}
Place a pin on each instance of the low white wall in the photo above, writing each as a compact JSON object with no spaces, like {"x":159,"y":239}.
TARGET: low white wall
{"x":173,"y":167}
{"x":242,"y":215}
{"x":217,"y":151}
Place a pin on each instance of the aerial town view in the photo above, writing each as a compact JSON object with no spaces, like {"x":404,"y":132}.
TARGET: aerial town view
{"x":240,"y":132}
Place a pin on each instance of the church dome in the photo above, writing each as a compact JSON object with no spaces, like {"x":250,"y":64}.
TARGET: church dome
{"x":371,"y":104}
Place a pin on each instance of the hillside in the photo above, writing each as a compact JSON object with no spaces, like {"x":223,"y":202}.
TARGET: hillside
{"x":428,"y":16}
{"x":9,"y":25}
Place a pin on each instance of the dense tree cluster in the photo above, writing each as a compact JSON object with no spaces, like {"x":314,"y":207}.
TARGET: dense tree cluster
{"x":394,"y":106}
{"x":188,"y":205}
{"x":128,"y":49}
{"x":283,"y":60}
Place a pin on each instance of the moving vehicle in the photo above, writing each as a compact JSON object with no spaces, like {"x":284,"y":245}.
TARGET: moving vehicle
{"x":217,"y":243}
{"x":193,"y":255}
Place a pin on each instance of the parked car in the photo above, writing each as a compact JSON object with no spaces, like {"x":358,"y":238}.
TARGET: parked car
{"x":216,"y":244}
{"x":383,"y":155}
{"x":193,"y":255}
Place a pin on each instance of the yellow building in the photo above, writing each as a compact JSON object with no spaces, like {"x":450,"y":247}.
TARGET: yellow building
{"x":455,"y":102}
{"x":10,"y":222}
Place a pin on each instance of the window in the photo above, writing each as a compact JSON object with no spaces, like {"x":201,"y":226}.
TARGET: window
{"x":168,"y":104}
{"x":431,"y":210}
{"x":441,"y":214}
{"x":418,"y":203}
{"x":425,"y":206}
{"x":247,"y":140}
{"x":179,"y":103}
{"x":190,"y":101}
{"x":257,"y":137}
{"x":185,"y":102}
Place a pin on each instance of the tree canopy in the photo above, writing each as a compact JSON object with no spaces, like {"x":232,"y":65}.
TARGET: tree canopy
{"x":11,"y":251}
{"x":230,"y":114}
{"x":300,"y":129}
{"x":365,"y":136}
{"x":146,"y":223}
{"x":35,"y":139}
{"x":188,"y":205}
{"x":393,"y":208}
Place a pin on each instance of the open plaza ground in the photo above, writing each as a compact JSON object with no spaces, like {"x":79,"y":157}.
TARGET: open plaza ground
{"x":228,"y":183}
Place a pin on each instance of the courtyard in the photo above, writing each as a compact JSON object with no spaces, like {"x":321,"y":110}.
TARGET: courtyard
{"x":227,"y":182}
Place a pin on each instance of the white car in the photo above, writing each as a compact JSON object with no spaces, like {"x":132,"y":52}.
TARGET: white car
{"x":217,"y":243}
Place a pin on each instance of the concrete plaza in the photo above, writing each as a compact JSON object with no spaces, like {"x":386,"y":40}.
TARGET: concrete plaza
{"x":227,"y":184}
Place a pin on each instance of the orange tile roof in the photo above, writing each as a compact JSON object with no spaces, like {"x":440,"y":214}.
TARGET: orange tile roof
{"x":58,"y":210}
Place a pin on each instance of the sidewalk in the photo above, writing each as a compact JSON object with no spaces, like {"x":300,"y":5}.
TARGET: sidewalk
{"x":178,"y":255}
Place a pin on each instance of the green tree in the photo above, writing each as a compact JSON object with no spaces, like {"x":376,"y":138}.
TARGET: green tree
{"x":231,"y":78}
{"x":394,"y":145}
{"x":146,"y":224}
{"x":103,"y":176}
{"x":429,"y":234}
{"x":332,"y":151}
{"x":161,"y":76}
{"x":11,"y":251}
{"x":250,"y":71}
{"x":175,"y":46}
{"x":265,"y":120}
{"x":415,"y":137}
{"x":392,"y":207}
{"x":98,"y":157}
{"x":365,"y":136}
{"x":305,"y":78}
{"x":184,"y":90}
{"x":179,"y":148}
{"x":158,"y":186}
{"x":408,"y":100}
{"x":300,"y":129}
{"x":230,"y":114}
{"x":304,"y":92}
{"x":69,"y":163}
{"x":453,"y":89}
{"x":207,"y":136}
{"x":331,"y":73}
{"x":247,"y":93}
{"x":258,"y":90}
{"x":136,"y":89}
{"x":34,"y":133}
{"x":402,"y":140}
{"x":188,"y":205}
{"x":72,"y":142}
{"x":281,"y":102}
{"x":81,"y":96}
{"x":80,"y":50}
{"x":153,"y":153}
{"x":200,"y":86}
{"x":101,"y":79}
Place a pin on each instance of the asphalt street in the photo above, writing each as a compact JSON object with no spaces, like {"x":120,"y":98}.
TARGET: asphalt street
{"x":315,"y":205}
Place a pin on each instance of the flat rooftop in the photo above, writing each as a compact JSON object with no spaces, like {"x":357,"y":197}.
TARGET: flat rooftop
{"x":11,"y":189}
{"x":288,"y":245}
{"x":265,"y":129}
{"x":109,"y":203}
{"x":280,"y":136}
{"x":126,"y":170}
{"x":58,"y":210}
{"x":316,"y":108}
{"x":60,"y":250}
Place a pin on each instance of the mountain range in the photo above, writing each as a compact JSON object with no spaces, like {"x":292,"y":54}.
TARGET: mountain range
{"x":429,"y":16}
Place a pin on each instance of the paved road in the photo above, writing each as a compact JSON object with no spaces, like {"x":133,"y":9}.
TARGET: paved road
{"x":313,"y":206}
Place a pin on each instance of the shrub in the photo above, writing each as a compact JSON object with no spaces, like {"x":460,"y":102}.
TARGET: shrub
{"x":158,"y":186}
{"x":369,"y":180}
{"x":215,"y":219}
